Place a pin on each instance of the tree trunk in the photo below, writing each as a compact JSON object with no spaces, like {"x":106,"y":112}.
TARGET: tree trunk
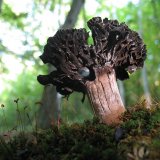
{"x":49,"y":110}
{"x":144,"y":70}
{"x":47,"y":115}
{"x":73,"y":14}
{"x":103,"y":93}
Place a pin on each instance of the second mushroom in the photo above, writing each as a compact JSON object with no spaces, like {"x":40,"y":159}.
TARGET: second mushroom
{"x":94,"y":69}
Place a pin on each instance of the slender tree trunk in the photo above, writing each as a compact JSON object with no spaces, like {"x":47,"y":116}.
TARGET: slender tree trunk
{"x":50,"y":106}
{"x":105,"y":97}
{"x":144,"y":70}
{"x":73,"y":14}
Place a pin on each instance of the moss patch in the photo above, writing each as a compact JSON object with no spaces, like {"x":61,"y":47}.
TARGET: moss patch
{"x":137,"y":138}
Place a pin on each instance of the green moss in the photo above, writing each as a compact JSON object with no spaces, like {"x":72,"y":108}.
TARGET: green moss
{"x":138,"y":137}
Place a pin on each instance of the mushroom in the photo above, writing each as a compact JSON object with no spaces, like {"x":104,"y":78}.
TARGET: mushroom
{"x":94,"y":69}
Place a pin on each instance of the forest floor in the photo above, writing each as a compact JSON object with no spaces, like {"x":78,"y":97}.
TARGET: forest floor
{"x":136,"y":138}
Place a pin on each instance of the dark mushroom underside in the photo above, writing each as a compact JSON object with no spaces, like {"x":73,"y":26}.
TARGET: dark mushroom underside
{"x":93,"y":69}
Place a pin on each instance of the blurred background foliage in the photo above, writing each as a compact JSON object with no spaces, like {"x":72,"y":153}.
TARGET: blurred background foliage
{"x":24,"y":29}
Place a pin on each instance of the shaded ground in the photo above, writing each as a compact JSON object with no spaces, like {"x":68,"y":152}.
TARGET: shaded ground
{"x":137,"y":138}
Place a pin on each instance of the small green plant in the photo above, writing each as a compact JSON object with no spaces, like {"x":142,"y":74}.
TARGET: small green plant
{"x":19,"y":116}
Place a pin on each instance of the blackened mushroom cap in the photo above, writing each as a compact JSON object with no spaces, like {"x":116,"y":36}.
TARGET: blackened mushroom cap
{"x":115,"y":46}
{"x":122,"y":48}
